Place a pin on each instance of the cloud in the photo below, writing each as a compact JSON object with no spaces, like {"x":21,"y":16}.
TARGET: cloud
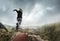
{"x":35,"y":14}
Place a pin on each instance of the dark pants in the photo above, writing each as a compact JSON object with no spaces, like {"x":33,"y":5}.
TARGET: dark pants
{"x":19,"y":20}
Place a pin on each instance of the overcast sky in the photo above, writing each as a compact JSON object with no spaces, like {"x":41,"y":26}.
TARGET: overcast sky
{"x":35,"y":12}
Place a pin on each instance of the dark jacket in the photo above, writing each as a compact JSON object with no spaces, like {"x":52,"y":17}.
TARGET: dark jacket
{"x":19,"y":14}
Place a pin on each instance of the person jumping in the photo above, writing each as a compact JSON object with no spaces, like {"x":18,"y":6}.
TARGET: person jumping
{"x":19,"y":17}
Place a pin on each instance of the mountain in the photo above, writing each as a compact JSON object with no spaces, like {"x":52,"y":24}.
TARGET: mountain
{"x":9,"y":27}
{"x":3,"y":27}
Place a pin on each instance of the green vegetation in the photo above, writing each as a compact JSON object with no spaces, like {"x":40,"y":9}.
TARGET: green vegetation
{"x":49,"y":32}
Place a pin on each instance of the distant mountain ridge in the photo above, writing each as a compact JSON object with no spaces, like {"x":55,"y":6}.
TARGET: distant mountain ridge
{"x":3,"y":27}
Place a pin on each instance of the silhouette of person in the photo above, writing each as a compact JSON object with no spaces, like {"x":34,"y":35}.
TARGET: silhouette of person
{"x":19,"y":15}
{"x":19,"y":18}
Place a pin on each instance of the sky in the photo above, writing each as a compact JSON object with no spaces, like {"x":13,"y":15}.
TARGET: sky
{"x":35,"y":12}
